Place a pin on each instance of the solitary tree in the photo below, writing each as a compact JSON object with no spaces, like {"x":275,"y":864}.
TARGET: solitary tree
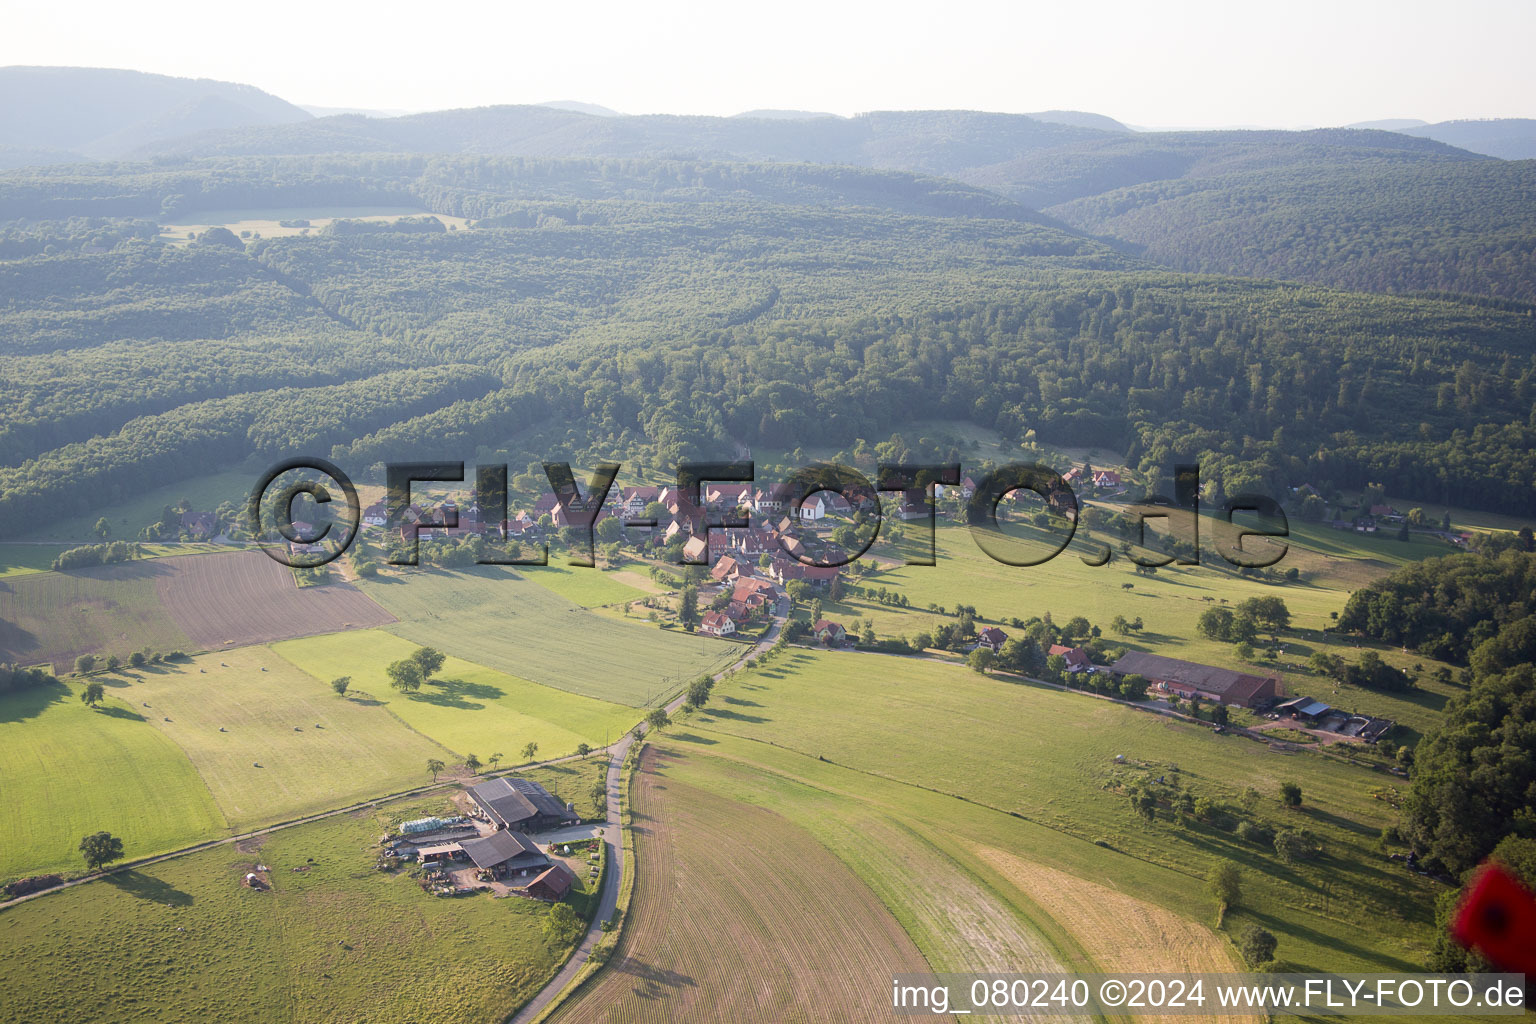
{"x":688,"y":607}
{"x":1257,"y":945}
{"x":698,"y":693}
{"x":404,"y":675}
{"x":495,"y":760}
{"x":529,"y":750}
{"x":85,"y":663}
{"x":434,"y":766}
{"x":100,"y":848}
{"x":583,"y":749}
{"x":600,"y":794}
{"x":658,"y":719}
{"x":103,"y":528}
{"x":473,"y":764}
{"x":1290,"y":794}
{"x":113,"y":663}
{"x":94,"y":694}
{"x":1225,"y":883}
{"x":982,"y":659}
{"x":429,"y":660}
{"x":340,"y":684}
{"x":136,"y":659}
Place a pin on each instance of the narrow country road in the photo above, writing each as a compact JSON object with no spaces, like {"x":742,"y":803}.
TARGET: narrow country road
{"x":613,"y":840}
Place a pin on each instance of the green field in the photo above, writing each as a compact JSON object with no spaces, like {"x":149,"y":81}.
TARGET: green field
{"x":589,"y":588}
{"x":335,"y":940}
{"x":466,"y":707}
{"x":1032,"y":771}
{"x":25,"y":558}
{"x":70,"y":770}
{"x":495,"y":617}
{"x":55,"y":616}
{"x":316,"y":750}
{"x":1170,"y":604}
{"x":128,"y":514}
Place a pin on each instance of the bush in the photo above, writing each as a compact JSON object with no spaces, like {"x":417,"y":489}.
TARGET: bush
{"x":1256,"y":834}
{"x":1256,"y":945}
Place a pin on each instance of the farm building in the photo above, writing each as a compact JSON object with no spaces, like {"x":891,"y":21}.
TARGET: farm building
{"x":1304,"y":708}
{"x":505,"y":854}
{"x":552,"y":884}
{"x":519,"y":804}
{"x":1076,"y":658}
{"x":1190,"y":679}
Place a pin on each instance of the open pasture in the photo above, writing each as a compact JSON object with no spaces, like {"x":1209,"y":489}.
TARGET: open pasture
{"x":467,"y":708}
{"x":589,"y":588}
{"x":1032,"y":772}
{"x":333,"y":940}
{"x":234,"y":710}
{"x":70,"y":770}
{"x":128,"y":514}
{"x":268,"y":222}
{"x":738,"y":914}
{"x":498,"y":618}
{"x":248,"y":598}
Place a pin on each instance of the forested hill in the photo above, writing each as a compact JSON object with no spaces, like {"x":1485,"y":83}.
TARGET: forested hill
{"x":946,"y":142}
{"x":668,"y":309}
{"x":1350,"y":208}
{"x":103,"y":113}
{"x":478,"y":187}
{"x":1378,"y":224}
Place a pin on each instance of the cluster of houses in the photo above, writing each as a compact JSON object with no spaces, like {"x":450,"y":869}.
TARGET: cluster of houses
{"x":491,"y":845}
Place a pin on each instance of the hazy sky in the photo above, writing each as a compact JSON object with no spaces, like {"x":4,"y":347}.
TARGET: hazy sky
{"x":1170,"y":63}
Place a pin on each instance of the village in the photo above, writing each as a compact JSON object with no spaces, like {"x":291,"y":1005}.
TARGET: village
{"x":768,"y":552}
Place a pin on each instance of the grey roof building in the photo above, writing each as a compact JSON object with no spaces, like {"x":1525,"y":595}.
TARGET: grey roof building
{"x":504,"y":852}
{"x":518,"y":803}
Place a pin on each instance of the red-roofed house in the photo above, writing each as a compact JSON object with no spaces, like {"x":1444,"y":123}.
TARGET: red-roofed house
{"x":828,"y":632}
{"x":717,"y":624}
{"x":1076,"y":658}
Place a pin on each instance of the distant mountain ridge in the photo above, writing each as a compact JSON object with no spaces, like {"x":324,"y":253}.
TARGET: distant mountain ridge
{"x":104,"y":113}
{"x":1508,"y":138}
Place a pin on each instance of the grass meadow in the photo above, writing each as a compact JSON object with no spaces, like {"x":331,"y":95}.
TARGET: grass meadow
{"x":233,"y":710}
{"x":128,"y":514}
{"x":589,"y":588}
{"x":495,"y":617}
{"x":334,"y":939}
{"x":1170,"y":604}
{"x":467,"y":708}
{"x":70,"y":770}
{"x":1032,"y":772}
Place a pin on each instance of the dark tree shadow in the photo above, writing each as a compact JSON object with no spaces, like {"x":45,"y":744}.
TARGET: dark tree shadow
{"x":147,"y":887}
{"x":111,"y":712}
{"x":33,"y":701}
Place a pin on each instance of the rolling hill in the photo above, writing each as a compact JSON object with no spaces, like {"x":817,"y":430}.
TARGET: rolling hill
{"x":104,"y":113}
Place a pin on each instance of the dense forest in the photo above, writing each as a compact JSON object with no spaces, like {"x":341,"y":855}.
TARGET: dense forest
{"x":1473,"y":778}
{"x":673,"y":308}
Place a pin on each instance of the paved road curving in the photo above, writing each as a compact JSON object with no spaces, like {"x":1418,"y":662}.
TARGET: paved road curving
{"x":614,"y":841}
